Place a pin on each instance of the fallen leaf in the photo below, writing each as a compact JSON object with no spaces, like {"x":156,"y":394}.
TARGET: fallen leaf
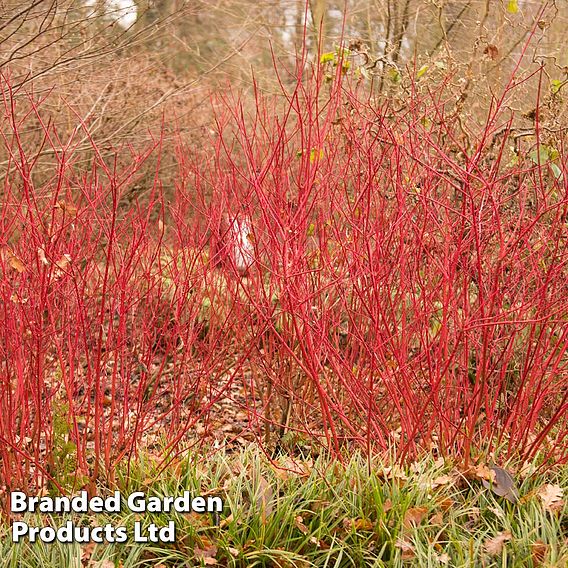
{"x":87,"y":552}
{"x":414,"y":516}
{"x":393,"y":473}
{"x":513,"y":6}
{"x":42,"y":257}
{"x":492,"y":51}
{"x":17,"y":299}
{"x":299,"y":522}
{"x":497,"y":511}
{"x":225,"y":522}
{"x":528,"y":468}
{"x":64,"y":261}
{"x":494,"y":546}
{"x":69,"y":208}
{"x":106,"y":563}
{"x":408,"y":552}
{"x":439,"y":462}
{"x":363,"y":525}
{"x":16,"y":263}
{"x":446,"y":503}
{"x":551,"y":497}
{"x":500,"y":481}
{"x":206,"y":555}
{"x":474,"y":513}
{"x":436,"y":519}
{"x":233,"y":551}
{"x":442,"y":480}
{"x":442,"y":558}
{"x":539,"y":550}
{"x":484,"y":472}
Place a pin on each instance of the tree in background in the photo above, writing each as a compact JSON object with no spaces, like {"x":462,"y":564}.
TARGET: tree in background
{"x":122,"y":65}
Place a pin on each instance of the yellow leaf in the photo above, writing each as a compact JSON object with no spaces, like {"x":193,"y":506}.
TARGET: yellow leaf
{"x":327,"y":57}
{"x":315,"y":155}
{"x":421,"y":71}
{"x":513,"y":6}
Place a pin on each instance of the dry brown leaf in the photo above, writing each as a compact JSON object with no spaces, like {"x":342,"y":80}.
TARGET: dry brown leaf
{"x":64,"y":261}
{"x":106,"y":563}
{"x":69,"y":208}
{"x":408,"y":552}
{"x":539,"y":551}
{"x":206,"y":555}
{"x":42,"y":257}
{"x":233,"y":551}
{"x":439,"y":462}
{"x":264,"y":498}
{"x":16,"y":263}
{"x":442,"y":480}
{"x":492,"y":51}
{"x":503,"y":484}
{"x":363,"y":525}
{"x":87,"y":552}
{"x":17,"y":299}
{"x":551,"y":497}
{"x":299,"y":522}
{"x":484,"y":472}
{"x":437,"y":519}
{"x":442,"y":558}
{"x":61,"y":266}
{"x":528,"y":468}
{"x":414,"y":516}
{"x":494,"y":546}
{"x":474,"y":513}
{"x":393,"y":473}
{"x":446,"y":503}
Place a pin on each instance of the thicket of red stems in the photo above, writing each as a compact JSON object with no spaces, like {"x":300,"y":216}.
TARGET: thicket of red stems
{"x":406,"y":291}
